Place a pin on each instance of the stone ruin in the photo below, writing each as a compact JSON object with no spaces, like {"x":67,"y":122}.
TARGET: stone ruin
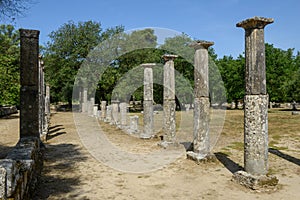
{"x":20,"y":169}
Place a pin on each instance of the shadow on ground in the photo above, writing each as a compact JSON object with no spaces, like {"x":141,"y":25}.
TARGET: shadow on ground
{"x":58,"y":159}
{"x":228,"y":163}
{"x":285,"y":156}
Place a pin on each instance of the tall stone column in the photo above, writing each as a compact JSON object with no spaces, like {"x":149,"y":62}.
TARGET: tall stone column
{"x":84,"y":105}
{"x":148,"y":101}
{"x":169,"y":105}
{"x":201,"y":146}
{"x":103,"y":110}
{"x":29,"y":92}
{"x":256,"y":101}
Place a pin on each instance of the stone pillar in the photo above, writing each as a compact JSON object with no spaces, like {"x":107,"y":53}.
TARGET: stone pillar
{"x":84,"y":105}
{"x":169,"y":105}
{"x":148,"y":101}
{"x":29,"y":91}
{"x":134,"y":124}
{"x":255,"y":102}
{"x":103,"y":110}
{"x":91,"y":104}
{"x":108,"y":113}
{"x":47,"y":105}
{"x":115,"y":112}
{"x":95,"y":110}
{"x":201,"y":146}
{"x":123,"y":114}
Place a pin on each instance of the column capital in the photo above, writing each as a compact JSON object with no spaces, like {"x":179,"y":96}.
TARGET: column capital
{"x":168,"y":57}
{"x":148,"y":65}
{"x":29,"y":33}
{"x":255,"y":23}
{"x":198,"y":44}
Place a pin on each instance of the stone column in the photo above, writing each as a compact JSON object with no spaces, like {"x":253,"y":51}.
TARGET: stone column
{"x":123,"y":114}
{"x":29,"y":91}
{"x":148,"y":101}
{"x":115,"y":112}
{"x":108,"y":117}
{"x":84,"y":101}
{"x":201,"y":102}
{"x":47,"y":105}
{"x":134,"y":124}
{"x":103,"y":110}
{"x":169,"y":105}
{"x":95,"y":110}
{"x":91,"y":104}
{"x":255,"y":100}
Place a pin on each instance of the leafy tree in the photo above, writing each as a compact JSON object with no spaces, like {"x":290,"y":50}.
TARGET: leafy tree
{"x":280,"y":68}
{"x":64,"y":54}
{"x":233,"y":73}
{"x":9,"y":65}
{"x":13,"y":8}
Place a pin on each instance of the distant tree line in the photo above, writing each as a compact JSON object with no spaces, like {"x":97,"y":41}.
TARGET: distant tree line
{"x":71,"y":45}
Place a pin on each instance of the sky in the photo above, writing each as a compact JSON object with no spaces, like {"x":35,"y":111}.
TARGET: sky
{"x":211,"y":20}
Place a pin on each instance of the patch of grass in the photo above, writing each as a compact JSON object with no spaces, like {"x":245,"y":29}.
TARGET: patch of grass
{"x":237,"y":146}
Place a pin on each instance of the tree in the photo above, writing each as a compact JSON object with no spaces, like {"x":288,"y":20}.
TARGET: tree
{"x":13,"y":8}
{"x":9,"y":65}
{"x":233,"y":73}
{"x":280,"y":68}
{"x":64,"y":54}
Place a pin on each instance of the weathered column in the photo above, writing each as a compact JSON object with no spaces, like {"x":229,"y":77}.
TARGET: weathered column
{"x":201,"y":102}
{"x":115,"y":112}
{"x":148,"y":101}
{"x":84,"y":101}
{"x":103,"y":110}
{"x":169,"y":105}
{"x":47,"y":105}
{"x":29,"y":92}
{"x":108,"y":117}
{"x":95,"y":110}
{"x":123,"y":114}
{"x":255,"y":101}
{"x":91,"y":104}
{"x":134,"y":124}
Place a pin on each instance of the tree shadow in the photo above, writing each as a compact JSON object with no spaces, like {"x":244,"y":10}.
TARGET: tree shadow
{"x":58,"y":159}
{"x":285,"y":156}
{"x":228,"y":163}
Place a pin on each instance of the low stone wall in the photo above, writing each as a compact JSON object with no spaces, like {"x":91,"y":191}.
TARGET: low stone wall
{"x":8,"y":110}
{"x":19,"y":171}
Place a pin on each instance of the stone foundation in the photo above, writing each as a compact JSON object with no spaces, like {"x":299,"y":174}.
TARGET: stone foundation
{"x":200,"y":158}
{"x":260,"y":183}
{"x":20,"y":170}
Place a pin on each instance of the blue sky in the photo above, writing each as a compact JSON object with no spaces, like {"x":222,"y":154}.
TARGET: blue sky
{"x":212,"y":20}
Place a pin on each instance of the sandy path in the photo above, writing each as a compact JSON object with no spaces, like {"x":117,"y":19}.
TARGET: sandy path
{"x":70,"y":172}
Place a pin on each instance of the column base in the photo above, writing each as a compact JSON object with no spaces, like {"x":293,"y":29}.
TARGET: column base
{"x":167,"y":145}
{"x":145,"y":136}
{"x":259,"y":183}
{"x":200,"y":158}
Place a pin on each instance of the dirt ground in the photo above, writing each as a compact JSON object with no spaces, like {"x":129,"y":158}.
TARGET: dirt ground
{"x":71,"y":172}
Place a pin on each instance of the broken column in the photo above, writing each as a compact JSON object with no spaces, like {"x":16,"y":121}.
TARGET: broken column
{"x":108,"y":117}
{"x":103,"y":110}
{"x":148,"y":101}
{"x":169,"y":105}
{"x":201,"y":146}
{"x":256,"y":107}
{"x":91,"y":104}
{"x":29,"y":92}
{"x":134,"y":124}
{"x":115,"y":112}
{"x":123,"y":114}
{"x":84,"y":105}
